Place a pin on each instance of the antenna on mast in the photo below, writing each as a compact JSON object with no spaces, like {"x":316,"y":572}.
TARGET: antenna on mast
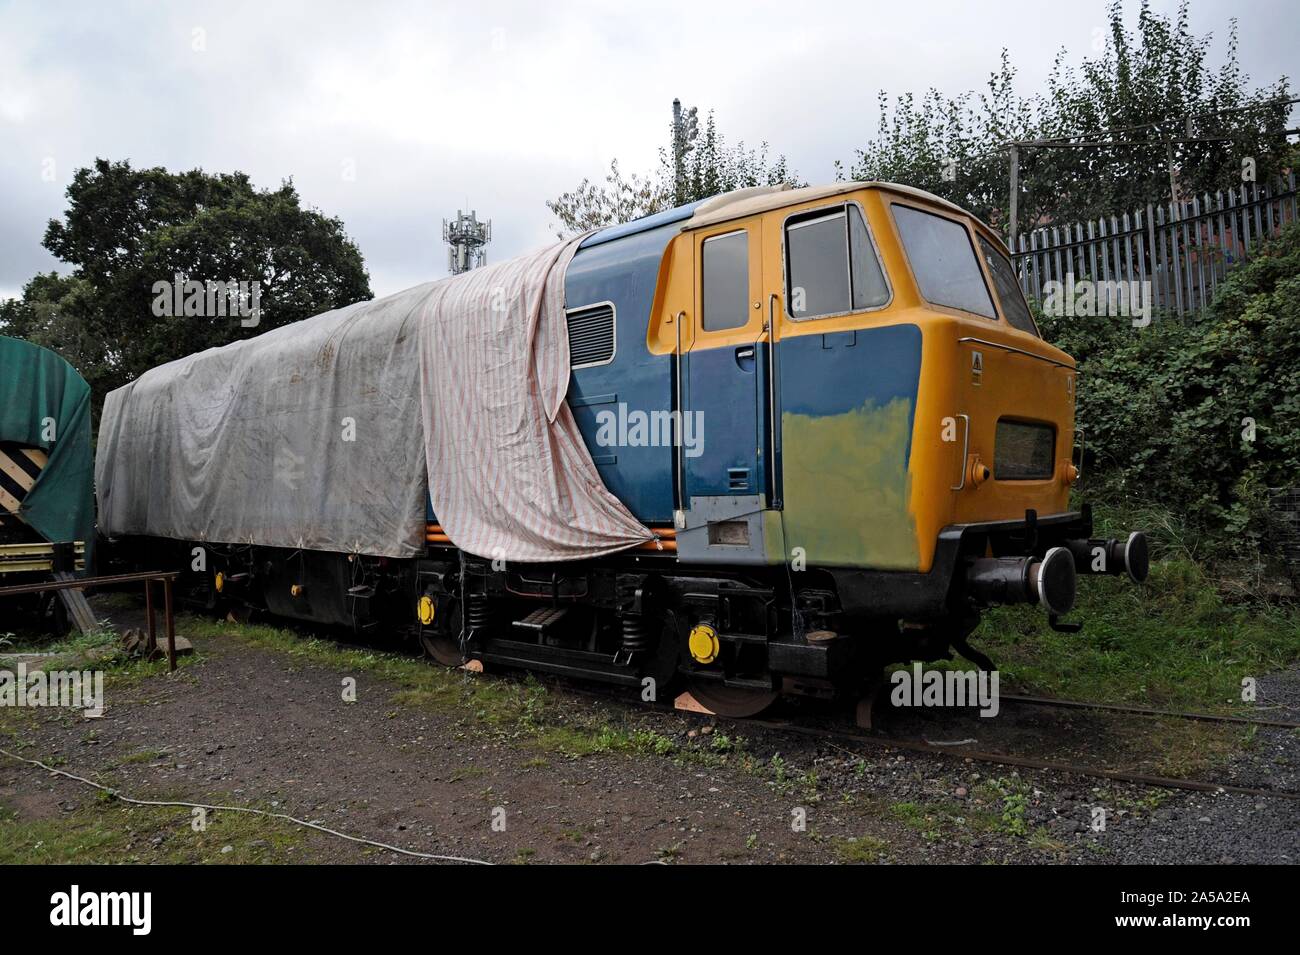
{"x":467,"y":240}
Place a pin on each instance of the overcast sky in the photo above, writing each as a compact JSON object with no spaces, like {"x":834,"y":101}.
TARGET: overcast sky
{"x":433,"y":106}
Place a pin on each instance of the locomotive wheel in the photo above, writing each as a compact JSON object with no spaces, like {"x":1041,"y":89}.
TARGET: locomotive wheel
{"x":660,"y":662}
{"x":443,"y":646}
{"x":238,"y":612}
{"x":733,"y":702}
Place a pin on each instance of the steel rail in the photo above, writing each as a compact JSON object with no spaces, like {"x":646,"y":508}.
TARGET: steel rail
{"x":1023,"y":762}
{"x":1146,"y":711}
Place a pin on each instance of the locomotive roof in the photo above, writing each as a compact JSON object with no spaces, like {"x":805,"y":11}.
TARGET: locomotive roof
{"x":644,"y":224}
{"x":746,"y":202}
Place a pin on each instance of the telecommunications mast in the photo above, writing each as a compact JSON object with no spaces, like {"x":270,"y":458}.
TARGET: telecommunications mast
{"x":467,"y":240}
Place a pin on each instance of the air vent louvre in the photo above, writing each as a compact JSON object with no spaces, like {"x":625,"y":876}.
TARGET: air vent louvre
{"x":591,"y":335}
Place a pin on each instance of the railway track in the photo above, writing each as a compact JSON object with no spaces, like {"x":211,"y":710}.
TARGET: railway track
{"x":1022,"y":762}
{"x":1051,"y":701}
{"x":856,"y":737}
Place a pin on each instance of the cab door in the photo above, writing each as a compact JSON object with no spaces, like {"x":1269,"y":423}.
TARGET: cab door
{"x":725,"y":394}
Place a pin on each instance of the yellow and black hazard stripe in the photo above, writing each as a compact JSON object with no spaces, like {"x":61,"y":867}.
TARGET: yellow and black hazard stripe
{"x":19,"y":469}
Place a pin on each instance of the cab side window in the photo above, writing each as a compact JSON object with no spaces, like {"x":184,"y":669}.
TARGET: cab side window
{"x":831,"y":265}
{"x":1008,"y":289}
{"x":725,"y":276}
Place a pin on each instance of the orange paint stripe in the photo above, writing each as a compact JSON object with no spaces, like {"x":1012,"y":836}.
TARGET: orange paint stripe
{"x":664,"y":546}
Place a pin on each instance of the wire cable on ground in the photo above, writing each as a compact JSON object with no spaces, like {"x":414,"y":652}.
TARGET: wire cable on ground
{"x":116,"y":794}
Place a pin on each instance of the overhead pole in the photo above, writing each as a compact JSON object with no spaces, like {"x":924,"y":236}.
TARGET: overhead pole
{"x":1173,"y":178}
{"x":677,"y":151}
{"x":1015,"y":195}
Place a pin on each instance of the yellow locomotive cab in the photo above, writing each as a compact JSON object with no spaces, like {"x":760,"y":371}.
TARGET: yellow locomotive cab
{"x":920,"y":435}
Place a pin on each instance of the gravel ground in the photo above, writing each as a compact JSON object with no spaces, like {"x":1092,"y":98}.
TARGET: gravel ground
{"x":260,"y":727}
{"x":1228,"y":828}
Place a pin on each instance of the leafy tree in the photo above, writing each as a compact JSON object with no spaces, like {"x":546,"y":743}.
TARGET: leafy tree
{"x":943,"y":144}
{"x":1224,"y":386}
{"x":125,"y":229}
{"x":1141,"y":86}
{"x":709,"y":166}
{"x":621,"y":199}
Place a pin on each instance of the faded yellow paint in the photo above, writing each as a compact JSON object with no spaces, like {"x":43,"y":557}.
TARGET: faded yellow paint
{"x":847,"y":488}
{"x":774,"y":537}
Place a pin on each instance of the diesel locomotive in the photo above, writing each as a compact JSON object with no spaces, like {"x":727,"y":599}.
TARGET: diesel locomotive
{"x":832,"y":406}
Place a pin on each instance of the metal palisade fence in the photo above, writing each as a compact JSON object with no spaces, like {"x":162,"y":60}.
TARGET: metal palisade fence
{"x":1184,"y":249}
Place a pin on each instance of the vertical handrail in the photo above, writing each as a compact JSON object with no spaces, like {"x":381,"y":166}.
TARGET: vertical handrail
{"x":774,"y":499}
{"x":681,"y":426}
{"x":965,"y":452}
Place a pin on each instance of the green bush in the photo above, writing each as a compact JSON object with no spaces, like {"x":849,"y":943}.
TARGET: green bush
{"x":1164,"y":407}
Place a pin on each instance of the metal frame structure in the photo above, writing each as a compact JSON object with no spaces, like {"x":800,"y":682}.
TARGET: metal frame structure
{"x":148,"y":577}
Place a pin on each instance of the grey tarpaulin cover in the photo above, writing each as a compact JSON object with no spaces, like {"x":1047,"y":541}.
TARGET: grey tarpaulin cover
{"x":246,"y":443}
{"x":315,"y":435}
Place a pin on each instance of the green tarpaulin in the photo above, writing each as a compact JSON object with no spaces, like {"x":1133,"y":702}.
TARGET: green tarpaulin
{"x":45,"y":404}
